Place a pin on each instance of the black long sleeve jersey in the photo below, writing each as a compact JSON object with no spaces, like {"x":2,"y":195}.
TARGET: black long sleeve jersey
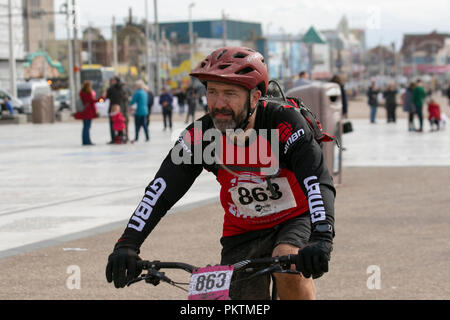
{"x":277,"y":174}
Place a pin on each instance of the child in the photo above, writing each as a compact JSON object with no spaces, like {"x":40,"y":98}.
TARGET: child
{"x":118,"y":124}
{"x":434,"y":114}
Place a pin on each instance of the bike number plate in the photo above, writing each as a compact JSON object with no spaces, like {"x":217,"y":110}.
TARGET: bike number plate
{"x":210,"y":283}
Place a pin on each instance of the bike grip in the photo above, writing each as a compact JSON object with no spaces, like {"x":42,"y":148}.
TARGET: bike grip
{"x":143,"y":264}
{"x":293,"y":258}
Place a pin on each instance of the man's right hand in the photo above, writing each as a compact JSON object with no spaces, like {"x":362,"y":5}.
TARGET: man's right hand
{"x":122,"y":266}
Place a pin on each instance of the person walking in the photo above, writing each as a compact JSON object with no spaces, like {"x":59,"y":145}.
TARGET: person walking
{"x":166,"y":100}
{"x":181,"y":96}
{"x":447,"y":93}
{"x":408,"y":106}
{"x":191,"y":99}
{"x":341,"y":83}
{"x":87,"y":96}
{"x":390,"y":98}
{"x":372,"y":95}
{"x":117,"y":95}
{"x":150,"y":102}
{"x":419,"y":95}
{"x":140,"y":98}
{"x":302,"y":80}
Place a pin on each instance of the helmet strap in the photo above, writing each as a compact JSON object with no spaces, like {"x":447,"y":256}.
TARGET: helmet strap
{"x":250,"y":112}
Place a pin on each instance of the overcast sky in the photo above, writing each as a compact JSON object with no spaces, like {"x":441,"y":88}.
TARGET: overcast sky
{"x":385,"y":20}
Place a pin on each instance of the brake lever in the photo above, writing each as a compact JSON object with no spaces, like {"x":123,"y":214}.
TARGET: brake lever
{"x":129,"y":283}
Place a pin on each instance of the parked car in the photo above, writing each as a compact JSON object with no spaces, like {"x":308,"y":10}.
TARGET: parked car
{"x":29,"y":90}
{"x":62,"y":100}
{"x":16,"y":103}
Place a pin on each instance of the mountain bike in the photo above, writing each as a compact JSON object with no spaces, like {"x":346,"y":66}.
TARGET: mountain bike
{"x":213,"y":282}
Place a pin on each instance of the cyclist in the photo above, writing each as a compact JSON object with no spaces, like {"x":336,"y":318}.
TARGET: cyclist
{"x":264,"y":215}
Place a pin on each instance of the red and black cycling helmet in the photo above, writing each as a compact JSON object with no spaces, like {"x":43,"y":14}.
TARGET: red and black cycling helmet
{"x":236,"y":65}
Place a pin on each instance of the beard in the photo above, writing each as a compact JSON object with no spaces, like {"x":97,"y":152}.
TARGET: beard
{"x":228,"y":124}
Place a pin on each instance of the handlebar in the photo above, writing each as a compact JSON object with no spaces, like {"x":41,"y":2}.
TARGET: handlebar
{"x":157,"y":265}
{"x":255,"y":266}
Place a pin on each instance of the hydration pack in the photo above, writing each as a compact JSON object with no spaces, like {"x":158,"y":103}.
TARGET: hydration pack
{"x":276,"y":95}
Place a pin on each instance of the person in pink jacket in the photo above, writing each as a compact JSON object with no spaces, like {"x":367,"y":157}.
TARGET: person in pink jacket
{"x":434,"y":114}
{"x":118,"y":121}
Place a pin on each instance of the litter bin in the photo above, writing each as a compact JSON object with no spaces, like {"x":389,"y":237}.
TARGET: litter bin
{"x":43,"y":109}
{"x":324,"y":100}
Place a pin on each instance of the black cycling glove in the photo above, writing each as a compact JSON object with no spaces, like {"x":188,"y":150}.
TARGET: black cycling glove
{"x":313,"y":258}
{"x":122,"y":265}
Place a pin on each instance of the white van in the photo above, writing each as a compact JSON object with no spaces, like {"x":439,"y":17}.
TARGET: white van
{"x":27,"y":91}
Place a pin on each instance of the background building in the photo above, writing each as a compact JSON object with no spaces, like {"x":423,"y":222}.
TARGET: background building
{"x":39,"y":22}
{"x":19,"y":44}
{"x":426,"y":54}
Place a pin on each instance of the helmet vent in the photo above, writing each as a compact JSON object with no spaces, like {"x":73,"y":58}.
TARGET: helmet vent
{"x":224,"y":66}
{"x":240,"y":55}
{"x":221,"y":54}
{"x":245,"y":70}
{"x":203,"y":64}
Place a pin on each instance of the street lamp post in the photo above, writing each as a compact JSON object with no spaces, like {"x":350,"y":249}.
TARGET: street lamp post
{"x":115,"y":55}
{"x":158,"y":76}
{"x":76,"y":59}
{"x":43,"y":44}
{"x":12,"y":58}
{"x":70,"y":56}
{"x":147,"y":59}
{"x":224,"y":28}
{"x":191,"y":36}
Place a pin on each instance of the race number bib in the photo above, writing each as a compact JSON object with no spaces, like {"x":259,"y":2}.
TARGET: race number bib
{"x":256,"y":200}
{"x":210,"y":283}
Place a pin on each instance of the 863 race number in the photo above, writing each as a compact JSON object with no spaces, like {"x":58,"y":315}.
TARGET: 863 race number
{"x":210,"y":283}
{"x":256,"y":199}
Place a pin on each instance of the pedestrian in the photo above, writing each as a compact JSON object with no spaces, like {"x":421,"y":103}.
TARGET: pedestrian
{"x":119,"y":126}
{"x":390,"y":98}
{"x":419,"y":95}
{"x":297,"y":213}
{"x":447,"y":93}
{"x":181,"y":96}
{"x":434,"y":114}
{"x":166,"y":100}
{"x":302,"y":79}
{"x":191,"y":99}
{"x":341,"y":83}
{"x":201,"y":94}
{"x":409,"y":106}
{"x":150,"y":102}
{"x":117,"y":95}
{"x":372,"y":95}
{"x":8,"y":105}
{"x":87,"y":96}
{"x":140,"y":98}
